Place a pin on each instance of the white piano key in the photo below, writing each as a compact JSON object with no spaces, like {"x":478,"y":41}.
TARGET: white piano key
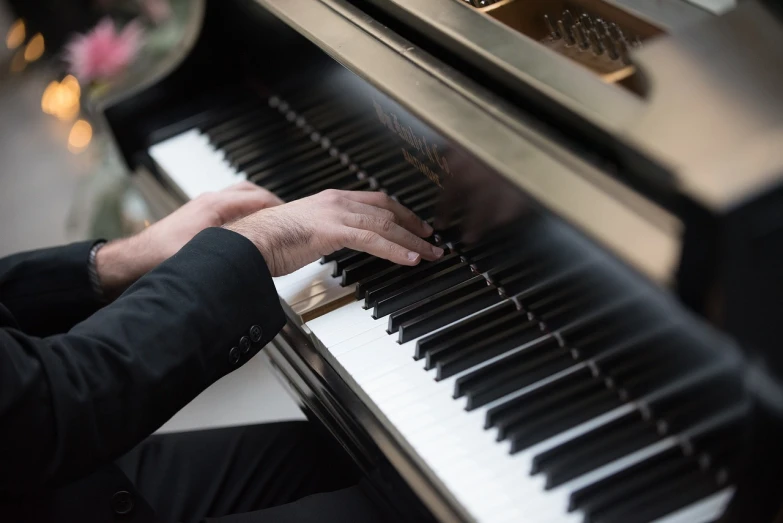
{"x":342,"y":324}
{"x":703,"y":511}
{"x":193,"y":165}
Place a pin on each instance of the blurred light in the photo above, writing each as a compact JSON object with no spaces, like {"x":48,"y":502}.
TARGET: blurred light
{"x":80,"y":136}
{"x":62,"y":99}
{"x":72,"y":84}
{"x":16,"y":34}
{"x":48,"y":98}
{"x":35,"y":48}
{"x":18,"y":63}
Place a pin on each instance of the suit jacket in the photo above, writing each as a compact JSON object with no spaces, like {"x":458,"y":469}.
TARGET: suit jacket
{"x":82,"y":384}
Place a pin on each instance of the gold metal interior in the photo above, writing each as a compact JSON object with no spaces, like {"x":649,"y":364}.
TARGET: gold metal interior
{"x":528,"y":17}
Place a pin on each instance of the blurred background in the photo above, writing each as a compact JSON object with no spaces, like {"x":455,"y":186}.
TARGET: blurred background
{"x":60,"y":178}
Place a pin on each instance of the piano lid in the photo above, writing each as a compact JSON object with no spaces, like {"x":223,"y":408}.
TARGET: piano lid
{"x":696,"y":103}
{"x":496,"y":136}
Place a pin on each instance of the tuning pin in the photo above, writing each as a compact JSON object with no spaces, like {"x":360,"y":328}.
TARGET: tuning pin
{"x":605,"y":30}
{"x":611,"y":47}
{"x":581,"y":36}
{"x":595,"y":42}
{"x":622,"y":48}
{"x":586,"y":21}
{"x":568,"y":19}
{"x":553,"y":34}
{"x":567,"y":36}
{"x":616,"y":32}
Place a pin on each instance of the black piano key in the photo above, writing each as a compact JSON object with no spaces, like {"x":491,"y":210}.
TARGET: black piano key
{"x":360,"y":141}
{"x":400,"y":180}
{"x":450,"y":363}
{"x":390,"y":173}
{"x":576,"y":411}
{"x":659,"y":499}
{"x":375,"y":158}
{"x":242,"y":139}
{"x":507,"y":412}
{"x":362,"y":269}
{"x":270,"y":137}
{"x":469,"y":332}
{"x":442,"y":316}
{"x":551,"y":398}
{"x":516,"y":363}
{"x":320,"y":169}
{"x":241,"y":124}
{"x":627,"y":482}
{"x":339,"y":180}
{"x":348,"y":259}
{"x":413,"y":189}
{"x":721,"y":440}
{"x":226,"y":112}
{"x":266,"y":159}
{"x":386,"y":286}
{"x":395,"y":298}
{"x":605,"y":327}
{"x":357,"y":185}
{"x":504,"y":377}
{"x":425,"y":209}
{"x":433,"y":300}
{"x":447,"y":336}
{"x":336,"y":254}
{"x":313,"y":169}
{"x":378,"y":277}
{"x":337,"y":128}
{"x":595,"y":449}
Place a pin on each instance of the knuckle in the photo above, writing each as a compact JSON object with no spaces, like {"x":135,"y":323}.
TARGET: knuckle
{"x":382,"y":197}
{"x":386,"y":225}
{"x":390,"y":216}
{"x":331,"y":195}
{"x":367,"y":237}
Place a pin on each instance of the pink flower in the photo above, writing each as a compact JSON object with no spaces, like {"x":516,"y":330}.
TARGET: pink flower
{"x":103,"y":52}
{"x":157,"y":10}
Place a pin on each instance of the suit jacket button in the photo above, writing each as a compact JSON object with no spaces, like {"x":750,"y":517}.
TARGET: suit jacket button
{"x":233,"y":355}
{"x":244,"y":344}
{"x":122,"y":502}
{"x":256,"y":333}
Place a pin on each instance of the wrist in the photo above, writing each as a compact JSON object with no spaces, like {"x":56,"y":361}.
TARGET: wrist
{"x":256,"y":238}
{"x":118,"y":265}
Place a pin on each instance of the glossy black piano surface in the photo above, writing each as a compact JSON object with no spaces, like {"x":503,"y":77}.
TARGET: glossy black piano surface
{"x":553,"y":313}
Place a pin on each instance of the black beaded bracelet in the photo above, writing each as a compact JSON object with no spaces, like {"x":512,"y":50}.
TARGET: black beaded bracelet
{"x":92,"y":269}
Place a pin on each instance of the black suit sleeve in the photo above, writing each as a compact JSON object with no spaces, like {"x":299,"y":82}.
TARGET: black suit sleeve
{"x":74,"y":401}
{"x":48,"y":291}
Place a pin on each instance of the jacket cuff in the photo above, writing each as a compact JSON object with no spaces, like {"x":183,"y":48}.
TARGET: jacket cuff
{"x":61,"y":295}
{"x":239,"y":292}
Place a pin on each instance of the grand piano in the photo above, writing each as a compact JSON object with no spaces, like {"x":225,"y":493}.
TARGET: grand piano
{"x":600,"y":341}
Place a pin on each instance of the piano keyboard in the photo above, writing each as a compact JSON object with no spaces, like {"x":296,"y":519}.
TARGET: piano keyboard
{"x":533,"y":383}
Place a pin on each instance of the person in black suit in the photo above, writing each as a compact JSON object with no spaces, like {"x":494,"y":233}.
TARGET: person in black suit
{"x":101,"y":343}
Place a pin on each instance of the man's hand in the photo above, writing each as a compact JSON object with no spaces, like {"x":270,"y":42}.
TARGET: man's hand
{"x":292,"y":235}
{"x":122,"y":262}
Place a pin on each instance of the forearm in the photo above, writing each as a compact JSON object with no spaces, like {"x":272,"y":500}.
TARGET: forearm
{"x":48,"y":290}
{"x":115,"y":378}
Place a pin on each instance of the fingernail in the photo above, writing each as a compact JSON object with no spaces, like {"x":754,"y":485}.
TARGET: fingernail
{"x":428,"y":228}
{"x":437,"y":251}
{"x":413,"y":256}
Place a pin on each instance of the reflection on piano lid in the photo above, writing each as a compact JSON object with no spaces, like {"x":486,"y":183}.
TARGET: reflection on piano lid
{"x":540,"y":371}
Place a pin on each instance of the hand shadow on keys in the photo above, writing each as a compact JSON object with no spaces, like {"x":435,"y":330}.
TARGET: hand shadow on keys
{"x":485,"y":201}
